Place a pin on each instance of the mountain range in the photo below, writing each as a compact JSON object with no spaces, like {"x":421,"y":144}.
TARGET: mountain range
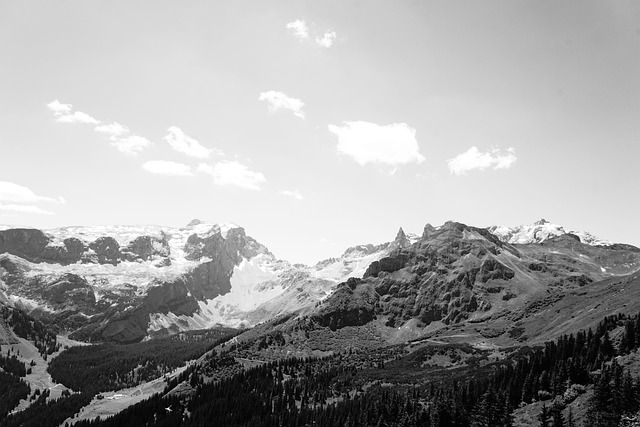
{"x":464,"y":292}
{"x":127,"y":283}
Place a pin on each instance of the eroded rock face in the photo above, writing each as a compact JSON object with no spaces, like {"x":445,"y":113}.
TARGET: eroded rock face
{"x":387,"y":264}
{"x":351,"y":305}
{"x":69,"y":291}
{"x":458,"y":273}
{"x":99,"y":304}
{"x":145,"y":248}
{"x":24,"y":242}
{"x":107,"y":250}
{"x":35,"y":246}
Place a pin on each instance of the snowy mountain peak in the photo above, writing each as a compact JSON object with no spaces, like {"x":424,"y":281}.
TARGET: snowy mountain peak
{"x":540,"y":231}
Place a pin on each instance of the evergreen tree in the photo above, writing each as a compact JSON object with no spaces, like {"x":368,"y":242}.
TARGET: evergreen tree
{"x":556,"y":416}
{"x":543,"y":417}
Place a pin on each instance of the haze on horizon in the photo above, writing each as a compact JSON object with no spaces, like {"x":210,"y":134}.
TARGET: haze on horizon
{"x":320,"y":125}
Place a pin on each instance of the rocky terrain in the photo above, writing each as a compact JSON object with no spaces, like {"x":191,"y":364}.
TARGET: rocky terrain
{"x":126,"y":283}
{"x":464,"y":281}
{"x":449,"y":303}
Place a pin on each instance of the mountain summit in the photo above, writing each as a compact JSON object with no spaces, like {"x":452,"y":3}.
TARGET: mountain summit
{"x":539,"y":232}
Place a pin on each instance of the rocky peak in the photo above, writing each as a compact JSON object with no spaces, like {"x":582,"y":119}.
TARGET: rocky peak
{"x":401,"y":240}
{"x":541,"y":221}
{"x":428,"y":231}
{"x":195,"y":222}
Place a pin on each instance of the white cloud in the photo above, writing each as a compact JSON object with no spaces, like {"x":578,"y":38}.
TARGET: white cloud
{"x":113,"y":130}
{"x":10,"y":192}
{"x":475,"y":159}
{"x":167,"y":167}
{"x":389,"y":145}
{"x":292,"y":193}
{"x":327,"y":39}
{"x":279,"y":100}
{"x":299,"y":29}
{"x":184,"y":144}
{"x":131,"y":145}
{"x":228,"y":172}
{"x":63,"y":113}
{"x":58,"y":108}
{"x":25,"y":209}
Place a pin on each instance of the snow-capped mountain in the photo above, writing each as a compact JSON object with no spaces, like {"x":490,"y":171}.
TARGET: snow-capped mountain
{"x":540,"y":231}
{"x":123,"y":283}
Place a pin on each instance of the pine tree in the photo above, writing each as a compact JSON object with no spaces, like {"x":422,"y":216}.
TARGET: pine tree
{"x":543,"y":417}
{"x":557,"y":417}
{"x":570,"y":422}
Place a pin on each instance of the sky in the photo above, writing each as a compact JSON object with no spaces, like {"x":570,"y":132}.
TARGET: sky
{"x":319,"y":125}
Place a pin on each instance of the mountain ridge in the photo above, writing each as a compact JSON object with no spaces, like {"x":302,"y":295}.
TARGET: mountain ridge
{"x":130,"y":282}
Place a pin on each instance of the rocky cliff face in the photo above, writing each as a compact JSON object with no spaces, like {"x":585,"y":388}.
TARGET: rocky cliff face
{"x":106,"y":283}
{"x":457,"y":274}
{"x":126,"y":283}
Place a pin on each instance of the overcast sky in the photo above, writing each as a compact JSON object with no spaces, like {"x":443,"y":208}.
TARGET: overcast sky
{"x":318,"y":125}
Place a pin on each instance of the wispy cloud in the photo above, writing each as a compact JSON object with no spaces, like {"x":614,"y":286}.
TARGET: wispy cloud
{"x":167,"y":167}
{"x":184,"y":144}
{"x":327,"y":39}
{"x":299,"y":29}
{"x":122,"y":140}
{"x":21,"y":199}
{"x":233,"y":173}
{"x":64,"y":113}
{"x":476,"y":159}
{"x":389,"y":145}
{"x":11,"y":192}
{"x":280,"y":101}
{"x":292,"y":193}
{"x":120,"y":136}
{"x":113,"y":130}
{"x":131,"y":145}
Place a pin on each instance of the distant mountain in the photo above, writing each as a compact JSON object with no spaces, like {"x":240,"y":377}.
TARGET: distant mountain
{"x":540,"y":231}
{"x":123,"y":283}
{"x":464,"y":281}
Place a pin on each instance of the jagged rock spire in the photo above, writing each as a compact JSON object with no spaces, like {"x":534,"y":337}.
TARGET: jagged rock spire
{"x":400,"y":236}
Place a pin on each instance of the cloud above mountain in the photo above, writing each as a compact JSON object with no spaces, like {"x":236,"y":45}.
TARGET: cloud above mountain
{"x":473,"y":159}
{"x":21,"y":199}
{"x":327,"y":39}
{"x":64,"y":114}
{"x":186,"y":145}
{"x":389,"y":145}
{"x":231,"y":172}
{"x":121,"y":138}
{"x":301,"y":31}
{"x":280,"y":101}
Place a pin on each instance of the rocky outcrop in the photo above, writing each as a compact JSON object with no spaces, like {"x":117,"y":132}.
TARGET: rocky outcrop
{"x":69,"y":291}
{"x":493,"y":270}
{"x":145,"y":248}
{"x":24,"y":242}
{"x":106,"y":249}
{"x":96,"y":309}
{"x":387,"y":264}
{"x":428,"y":231}
{"x":350,"y":305}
